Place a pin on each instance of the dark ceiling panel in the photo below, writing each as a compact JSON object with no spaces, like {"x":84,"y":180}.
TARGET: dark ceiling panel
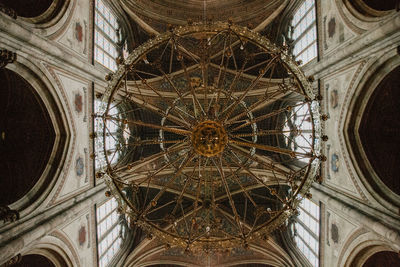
{"x":28,"y":8}
{"x":383,"y":258}
{"x":27,"y":137}
{"x":380,"y":130}
{"x":381,"y":5}
{"x":34,"y":261}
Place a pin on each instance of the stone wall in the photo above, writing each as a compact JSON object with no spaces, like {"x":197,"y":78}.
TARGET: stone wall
{"x":55,"y":56}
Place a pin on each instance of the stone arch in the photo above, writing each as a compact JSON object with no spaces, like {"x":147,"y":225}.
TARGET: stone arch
{"x":29,"y":8}
{"x":51,"y":18}
{"x":148,"y":253}
{"x":373,"y":8}
{"x":34,"y":260}
{"x":27,"y":137}
{"x":54,"y":249}
{"x":35,"y":11}
{"x":379,"y":131}
{"x":383,"y":258}
{"x":166,"y":263}
{"x":361,"y":246}
{"x":353,"y":122}
{"x":360,"y":20}
{"x":46,"y":93}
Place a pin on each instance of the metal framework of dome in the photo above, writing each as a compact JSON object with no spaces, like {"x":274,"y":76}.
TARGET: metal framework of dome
{"x":225,"y":159}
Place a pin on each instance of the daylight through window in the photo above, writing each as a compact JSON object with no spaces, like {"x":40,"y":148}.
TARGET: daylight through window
{"x":109,"y":236}
{"x":307,"y":231}
{"x":106,"y":37}
{"x":304,"y":32}
{"x":112,"y":143}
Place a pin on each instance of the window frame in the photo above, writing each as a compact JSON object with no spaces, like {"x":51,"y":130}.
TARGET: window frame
{"x":312,"y":234}
{"x":310,"y":46}
{"x":99,"y":50}
{"x":115,"y":245}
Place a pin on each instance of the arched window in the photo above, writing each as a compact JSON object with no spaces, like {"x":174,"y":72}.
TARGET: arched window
{"x":106,"y":36}
{"x":110,"y":231}
{"x":304,"y":32}
{"x":307,"y":231}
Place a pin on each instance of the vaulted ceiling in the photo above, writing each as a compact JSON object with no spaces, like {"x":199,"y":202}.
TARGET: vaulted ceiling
{"x":155,"y":15}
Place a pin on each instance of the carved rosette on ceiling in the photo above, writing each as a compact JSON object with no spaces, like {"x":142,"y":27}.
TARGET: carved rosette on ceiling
{"x":229,"y":137}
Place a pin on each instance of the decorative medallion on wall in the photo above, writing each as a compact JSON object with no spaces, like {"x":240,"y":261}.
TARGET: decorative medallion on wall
{"x":334,"y":99}
{"x":331,"y":27}
{"x":76,"y":37}
{"x":335,"y":162}
{"x":79,"y":166}
{"x":78,"y":31}
{"x":82,"y":235}
{"x":78,"y":103}
{"x":334,"y":233}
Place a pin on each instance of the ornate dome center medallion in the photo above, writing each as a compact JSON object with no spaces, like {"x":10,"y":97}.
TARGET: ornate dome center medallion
{"x":215,"y":137}
{"x":209,"y":138}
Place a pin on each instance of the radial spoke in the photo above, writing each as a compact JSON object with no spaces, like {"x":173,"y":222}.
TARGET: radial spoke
{"x":192,"y":91}
{"x":261,"y":118}
{"x":204,"y":74}
{"x":258,"y":179}
{"x":183,"y":191}
{"x":196,"y":203}
{"x":270,"y":148}
{"x":231,"y":108}
{"x":267,"y":99}
{"x":159,"y":111}
{"x":261,"y":133}
{"x":134,"y":166}
{"x":160,"y":207}
{"x":187,"y":160}
{"x":228,"y":192}
{"x":219,"y":88}
{"x":237,"y":180}
{"x":273,"y":166}
{"x":154,"y":126}
{"x":168,"y":101}
{"x":149,"y":177}
{"x":168,"y":79}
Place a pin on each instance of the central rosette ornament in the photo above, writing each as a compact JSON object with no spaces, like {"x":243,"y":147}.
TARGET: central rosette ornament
{"x":209,"y":138}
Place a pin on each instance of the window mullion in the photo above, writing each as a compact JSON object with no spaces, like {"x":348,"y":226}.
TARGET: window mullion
{"x":309,"y":214}
{"x":305,"y":48}
{"x":108,"y":231}
{"x":305,"y":243}
{"x":311,"y":232}
{"x":105,"y":19}
{"x":304,"y":16}
{"x":304,"y":32}
{"x":105,"y":52}
{"x":108,"y":215}
{"x":105,"y":35}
